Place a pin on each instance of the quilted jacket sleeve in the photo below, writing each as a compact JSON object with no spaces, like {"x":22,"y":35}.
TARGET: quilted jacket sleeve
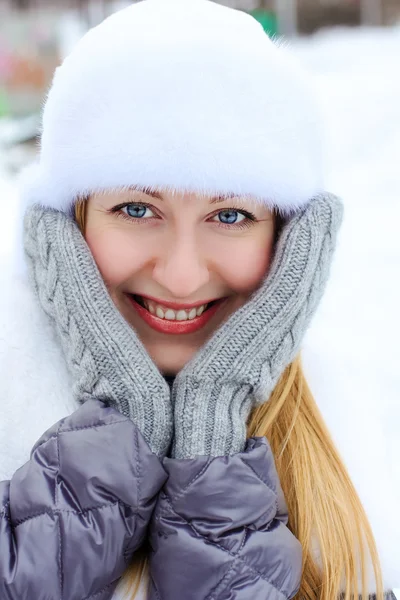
{"x":219,"y":531}
{"x":71,"y":518}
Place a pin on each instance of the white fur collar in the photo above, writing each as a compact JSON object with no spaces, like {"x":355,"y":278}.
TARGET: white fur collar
{"x":34,"y":383}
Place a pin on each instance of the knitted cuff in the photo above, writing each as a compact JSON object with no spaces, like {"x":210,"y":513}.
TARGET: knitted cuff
{"x":210,"y":417}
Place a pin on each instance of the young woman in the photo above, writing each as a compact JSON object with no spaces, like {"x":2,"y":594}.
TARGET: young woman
{"x":178,"y":240}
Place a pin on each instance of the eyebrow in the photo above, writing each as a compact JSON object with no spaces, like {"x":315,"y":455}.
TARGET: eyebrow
{"x":149,"y":192}
{"x":222,"y":198}
{"x":146,"y":190}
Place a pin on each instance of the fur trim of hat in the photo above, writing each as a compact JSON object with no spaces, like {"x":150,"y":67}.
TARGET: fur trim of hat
{"x":182,"y":95}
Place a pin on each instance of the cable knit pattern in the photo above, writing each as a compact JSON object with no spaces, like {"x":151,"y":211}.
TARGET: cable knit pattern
{"x":107,"y":360}
{"x":241,"y":364}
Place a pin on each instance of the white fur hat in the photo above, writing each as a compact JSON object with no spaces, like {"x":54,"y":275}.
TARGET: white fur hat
{"x":179,"y":94}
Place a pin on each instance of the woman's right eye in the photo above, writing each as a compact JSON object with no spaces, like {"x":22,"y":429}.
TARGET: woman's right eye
{"x":137,"y":210}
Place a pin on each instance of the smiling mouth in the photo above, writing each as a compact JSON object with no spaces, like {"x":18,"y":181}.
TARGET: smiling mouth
{"x":169,"y":314}
{"x":169,"y":320}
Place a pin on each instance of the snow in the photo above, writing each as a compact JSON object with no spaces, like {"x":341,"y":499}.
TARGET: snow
{"x":351,"y":355}
{"x":351,"y":352}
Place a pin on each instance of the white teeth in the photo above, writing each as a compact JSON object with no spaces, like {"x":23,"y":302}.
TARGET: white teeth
{"x":192,"y":313}
{"x":159,"y":312}
{"x":170,"y":315}
{"x":163,"y":312}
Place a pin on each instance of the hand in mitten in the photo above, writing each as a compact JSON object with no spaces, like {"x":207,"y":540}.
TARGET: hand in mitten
{"x":107,"y":360}
{"x":240,"y":365}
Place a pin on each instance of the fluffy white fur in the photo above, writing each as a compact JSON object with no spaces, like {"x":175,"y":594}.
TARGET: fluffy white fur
{"x":180,"y":94}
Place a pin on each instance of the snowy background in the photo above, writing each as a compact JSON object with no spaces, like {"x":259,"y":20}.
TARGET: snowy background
{"x":351,"y":353}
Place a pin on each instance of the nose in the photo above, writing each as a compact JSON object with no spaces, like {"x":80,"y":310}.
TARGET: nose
{"x":181,"y":267}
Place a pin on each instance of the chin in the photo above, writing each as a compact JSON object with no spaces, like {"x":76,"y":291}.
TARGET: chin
{"x":169,"y":355}
{"x":170,"y":360}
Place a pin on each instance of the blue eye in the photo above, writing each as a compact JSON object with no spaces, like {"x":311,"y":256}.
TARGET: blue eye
{"x":229,"y":217}
{"x":136,"y":211}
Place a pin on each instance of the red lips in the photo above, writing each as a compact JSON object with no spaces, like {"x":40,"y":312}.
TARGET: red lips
{"x":176,"y":327}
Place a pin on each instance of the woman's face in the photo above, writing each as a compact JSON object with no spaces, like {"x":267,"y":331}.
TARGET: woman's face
{"x":178,"y":264}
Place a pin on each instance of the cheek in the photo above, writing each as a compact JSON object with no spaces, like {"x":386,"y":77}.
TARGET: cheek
{"x":245,"y":265}
{"x":115,"y":257}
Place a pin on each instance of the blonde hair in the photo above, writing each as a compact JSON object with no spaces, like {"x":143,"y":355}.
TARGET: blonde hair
{"x":323,"y":505}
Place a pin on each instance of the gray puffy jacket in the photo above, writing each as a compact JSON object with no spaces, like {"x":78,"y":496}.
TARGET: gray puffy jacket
{"x":72,"y":517}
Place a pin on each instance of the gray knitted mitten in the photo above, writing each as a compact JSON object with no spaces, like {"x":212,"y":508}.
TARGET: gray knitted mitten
{"x":242,"y":362}
{"x":107,"y":360}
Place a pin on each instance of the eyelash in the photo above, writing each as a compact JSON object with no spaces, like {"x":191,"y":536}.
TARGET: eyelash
{"x":248,"y":222}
